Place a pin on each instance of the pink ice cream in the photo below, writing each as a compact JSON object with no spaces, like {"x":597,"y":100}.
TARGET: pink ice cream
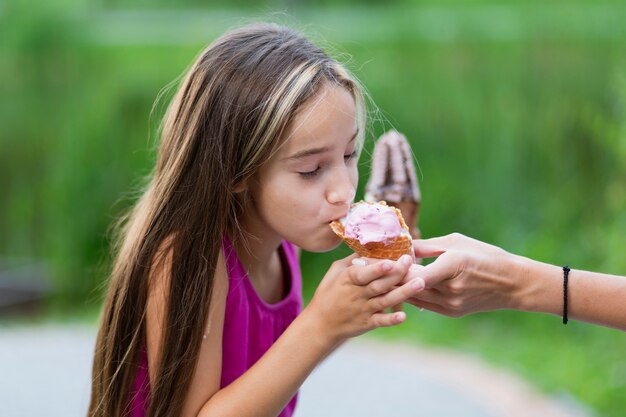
{"x":372,"y":223}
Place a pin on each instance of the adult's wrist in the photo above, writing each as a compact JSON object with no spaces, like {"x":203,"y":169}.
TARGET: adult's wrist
{"x":541,"y":286}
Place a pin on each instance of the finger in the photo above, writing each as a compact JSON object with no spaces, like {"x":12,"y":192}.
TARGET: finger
{"x":347,"y":261}
{"x":397,"y":296}
{"x":428,"y":248}
{"x":383,"y":285}
{"x":391,"y":279}
{"x":443,"y":268}
{"x":397,"y":307}
{"x":364,"y":275}
{"x":370,"y":260}
{"x":435,"y":308}
{"x":359,"y":262}
{"x":386,"y":319}
{"x":415,"y":271}
{"x":342,"y":264}
{"x":431,"y":296}
{"x":455,"y":304}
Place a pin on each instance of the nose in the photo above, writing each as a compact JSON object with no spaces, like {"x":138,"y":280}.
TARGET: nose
{"x":341,"y":190}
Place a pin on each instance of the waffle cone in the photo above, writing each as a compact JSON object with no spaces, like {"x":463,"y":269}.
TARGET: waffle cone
{"x":391,"y":249}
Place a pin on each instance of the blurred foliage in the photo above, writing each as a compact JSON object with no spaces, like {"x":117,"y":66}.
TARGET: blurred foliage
{"x":516,"y":114}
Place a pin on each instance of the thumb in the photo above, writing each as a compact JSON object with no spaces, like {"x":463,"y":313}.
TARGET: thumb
{"x":347,"y":261}
{"x":441,"y":269}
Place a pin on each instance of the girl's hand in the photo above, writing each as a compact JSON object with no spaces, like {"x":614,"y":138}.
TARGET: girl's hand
{"x":351,"y":299}
{"x":468,"y":276}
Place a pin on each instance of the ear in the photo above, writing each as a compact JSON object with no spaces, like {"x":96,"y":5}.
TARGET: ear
{"x":240,"y":187}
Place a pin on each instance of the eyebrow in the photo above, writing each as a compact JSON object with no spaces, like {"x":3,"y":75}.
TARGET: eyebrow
{"x":314,"y":151}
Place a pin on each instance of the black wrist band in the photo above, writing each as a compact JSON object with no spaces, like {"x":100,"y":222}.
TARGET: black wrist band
{"x":565,"y":279}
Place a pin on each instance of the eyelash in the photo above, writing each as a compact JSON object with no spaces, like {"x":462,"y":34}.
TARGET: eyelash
{"x":312,"y":174}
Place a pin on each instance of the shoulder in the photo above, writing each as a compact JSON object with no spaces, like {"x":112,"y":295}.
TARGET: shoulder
{"x":161,"y":266}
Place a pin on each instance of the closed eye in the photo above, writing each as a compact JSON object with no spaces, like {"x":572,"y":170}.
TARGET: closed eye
{"x":310,"y":174}
{"x":316,"y":171}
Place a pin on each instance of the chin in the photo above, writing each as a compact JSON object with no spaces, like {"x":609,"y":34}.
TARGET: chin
{"x":325,"y":244}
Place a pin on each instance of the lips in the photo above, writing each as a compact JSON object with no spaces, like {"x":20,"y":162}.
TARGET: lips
{"x":338,"y":217}
{"x":345,"y":209}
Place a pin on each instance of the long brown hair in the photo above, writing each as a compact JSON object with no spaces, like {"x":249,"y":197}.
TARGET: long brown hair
{"x":225,"y":120}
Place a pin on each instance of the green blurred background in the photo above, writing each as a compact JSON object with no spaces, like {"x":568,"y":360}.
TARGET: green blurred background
{"x":516,"y":111}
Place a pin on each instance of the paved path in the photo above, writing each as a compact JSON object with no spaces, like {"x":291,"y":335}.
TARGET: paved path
{"x":45,"y":371}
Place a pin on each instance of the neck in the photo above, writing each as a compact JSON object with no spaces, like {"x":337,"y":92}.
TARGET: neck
{"x":257,"y":248}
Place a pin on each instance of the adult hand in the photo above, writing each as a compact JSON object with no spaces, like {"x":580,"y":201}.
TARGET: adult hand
{"x":468,"y":276}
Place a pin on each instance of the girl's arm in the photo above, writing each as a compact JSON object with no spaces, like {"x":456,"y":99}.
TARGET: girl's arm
{"x":471,"y":276}
{"x":267,"y":387}
{"x":207,"y":376}
{"x":349,"y":301}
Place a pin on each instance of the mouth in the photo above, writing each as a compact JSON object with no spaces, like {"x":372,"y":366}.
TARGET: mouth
{"x":343,"y":216}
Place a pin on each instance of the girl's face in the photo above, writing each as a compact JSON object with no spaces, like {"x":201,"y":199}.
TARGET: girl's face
{"x":312,"y":179}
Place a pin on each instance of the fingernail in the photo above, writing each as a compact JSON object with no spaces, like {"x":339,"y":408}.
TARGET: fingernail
{"x":359,"y":262}
{"x":417,"y":284}
{"x":406,"y":260}
{"x":399,"y":316}
{"x":387,"y":266}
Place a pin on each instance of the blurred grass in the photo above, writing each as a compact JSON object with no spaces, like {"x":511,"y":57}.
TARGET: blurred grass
{"x":516,"y":114}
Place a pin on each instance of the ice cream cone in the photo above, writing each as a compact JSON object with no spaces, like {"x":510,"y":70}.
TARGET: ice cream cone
{"x":391,"y":248}
{"x":393,"y":178}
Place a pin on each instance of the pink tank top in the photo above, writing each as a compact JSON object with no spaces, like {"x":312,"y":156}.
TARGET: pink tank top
{"x":251,"y":325}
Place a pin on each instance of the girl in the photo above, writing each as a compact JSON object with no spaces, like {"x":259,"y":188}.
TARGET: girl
{"x":258,"y":154}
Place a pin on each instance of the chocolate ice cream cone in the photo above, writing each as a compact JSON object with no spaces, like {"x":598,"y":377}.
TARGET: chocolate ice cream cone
{"x":393,"y":178}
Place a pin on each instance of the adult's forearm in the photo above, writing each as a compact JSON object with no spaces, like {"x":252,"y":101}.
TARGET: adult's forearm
{"x":592,"y":297}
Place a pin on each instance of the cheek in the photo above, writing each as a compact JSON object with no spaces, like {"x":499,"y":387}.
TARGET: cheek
{"x":306,"y":199}
{"x":291,"y":202}
{"x":353,"y":175}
